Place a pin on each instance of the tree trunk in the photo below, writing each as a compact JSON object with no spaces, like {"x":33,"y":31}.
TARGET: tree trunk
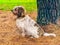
{"x":48,"y":11}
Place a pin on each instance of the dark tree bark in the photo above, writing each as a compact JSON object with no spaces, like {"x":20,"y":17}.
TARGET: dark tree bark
{"x":48,"y":11}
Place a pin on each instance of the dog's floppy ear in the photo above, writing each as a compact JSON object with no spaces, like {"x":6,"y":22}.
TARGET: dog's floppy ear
{"x":21,"y":12}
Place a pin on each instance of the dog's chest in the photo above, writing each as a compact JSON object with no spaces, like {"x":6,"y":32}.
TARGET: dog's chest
{"x":26,"y":23}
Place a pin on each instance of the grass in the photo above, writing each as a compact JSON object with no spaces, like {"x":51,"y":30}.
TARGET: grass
{"x":15,"y":1}
{"x":30,"y":5}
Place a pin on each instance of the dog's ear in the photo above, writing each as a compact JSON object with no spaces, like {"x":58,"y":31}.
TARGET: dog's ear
{"x":21,"y":12}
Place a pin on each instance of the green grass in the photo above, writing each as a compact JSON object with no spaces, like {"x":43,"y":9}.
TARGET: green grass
{"x":30,"y":5}
{"x":15,"y":1}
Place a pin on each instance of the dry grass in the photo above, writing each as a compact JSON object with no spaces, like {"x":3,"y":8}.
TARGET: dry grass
{"x":9,"y":34}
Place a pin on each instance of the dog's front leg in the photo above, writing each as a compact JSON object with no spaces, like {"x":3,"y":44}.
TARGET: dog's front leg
{"x":23,"y":32}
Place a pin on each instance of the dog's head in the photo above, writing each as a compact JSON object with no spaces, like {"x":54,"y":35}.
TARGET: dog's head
{"x":19,"y":11}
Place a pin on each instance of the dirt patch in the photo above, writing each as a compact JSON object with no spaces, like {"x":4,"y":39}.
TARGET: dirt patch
{"x":9,"y":34}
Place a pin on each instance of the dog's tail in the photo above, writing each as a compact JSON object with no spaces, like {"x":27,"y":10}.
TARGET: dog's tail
{"x":49,"y":34}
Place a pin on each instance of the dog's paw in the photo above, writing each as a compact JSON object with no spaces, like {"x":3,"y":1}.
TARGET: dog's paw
{"x":36,"y":36}
{"x":23,"y":34}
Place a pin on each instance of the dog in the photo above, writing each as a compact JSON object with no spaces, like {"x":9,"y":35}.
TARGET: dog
{"x":27,"y":25}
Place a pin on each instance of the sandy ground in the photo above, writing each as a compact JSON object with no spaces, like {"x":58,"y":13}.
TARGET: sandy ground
{"x":9,"y":34}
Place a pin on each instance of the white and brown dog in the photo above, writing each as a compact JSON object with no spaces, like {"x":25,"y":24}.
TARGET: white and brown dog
{"x":27,"y":25}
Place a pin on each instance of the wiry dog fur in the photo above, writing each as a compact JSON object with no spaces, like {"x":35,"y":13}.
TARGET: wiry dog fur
{"x":29,"y":26}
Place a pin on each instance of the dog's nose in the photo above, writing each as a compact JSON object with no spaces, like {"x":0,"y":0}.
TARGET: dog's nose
{"x":12,"y":10}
